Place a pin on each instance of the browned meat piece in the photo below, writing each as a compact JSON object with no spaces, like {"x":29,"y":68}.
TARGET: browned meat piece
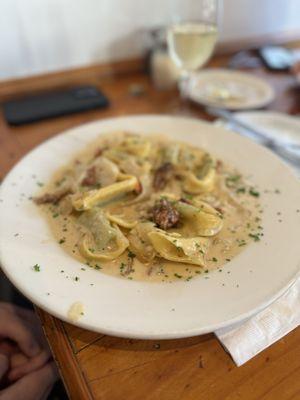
{"x":98,"y":152}
{"x":90,"y":178}
{"x":129,"y":265}
{"x":219,"y":166}
{"x":220,"y":210}
{"x":52,"y":198}
{"x":162,"y":175}
{"x":164,"y":215}
{"x":183,"y":200}
{"x":139,"y":188}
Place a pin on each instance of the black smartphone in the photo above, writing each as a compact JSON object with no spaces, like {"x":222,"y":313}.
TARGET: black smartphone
{"x":53,"y":104}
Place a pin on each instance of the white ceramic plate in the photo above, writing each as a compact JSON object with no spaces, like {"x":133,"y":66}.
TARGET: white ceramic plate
{"x":122,"y":307}
{"x":282,"y":128}
{"x":229,"y":89}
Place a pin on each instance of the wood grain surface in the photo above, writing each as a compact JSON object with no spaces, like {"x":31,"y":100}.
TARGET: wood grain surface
{"x":96,"y":366}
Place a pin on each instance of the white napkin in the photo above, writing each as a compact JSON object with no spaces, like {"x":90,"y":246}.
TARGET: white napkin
{"x":243,"y":341}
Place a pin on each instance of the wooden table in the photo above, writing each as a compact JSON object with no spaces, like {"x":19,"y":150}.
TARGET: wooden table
{"x":96,"y":366}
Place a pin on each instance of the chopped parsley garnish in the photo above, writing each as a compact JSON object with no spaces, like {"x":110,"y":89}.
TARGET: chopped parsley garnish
{"x":40,"y":184}
{"x":97,"y":266}
{"x":131,"y":254}
{"x":241,"y":242}
{"x":76,"y":278}
{"x":254,"y":192}
{"x":232,"y":180}
{"x":228,"y":259}
{"x":177,"y":275}
{"x":277,"y":191}
{"x":214,"y":259}
{"x":62,"y":240}
{"x":37,"y":268}
{"x":55,"y":215}
{"x":240,"y":190}
{"x":199,"y":248}
{"x":122,"y":267}
{"x":254,"y":236}
{"x":206,"y":271}
{"x":58,"y":183}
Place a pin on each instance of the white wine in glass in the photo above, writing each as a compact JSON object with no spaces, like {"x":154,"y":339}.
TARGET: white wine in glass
{"x":192,"y":35}
{"x":191,"y":44}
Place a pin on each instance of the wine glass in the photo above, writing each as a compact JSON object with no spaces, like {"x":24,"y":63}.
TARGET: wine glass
{"x":192,"y":36}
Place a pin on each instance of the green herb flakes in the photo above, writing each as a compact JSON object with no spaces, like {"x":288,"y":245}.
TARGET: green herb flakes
{"x":37,"y":268}
{"x":131,"y":254}
{"x":253,"y":192}
{"x":255,"y":236}
{"x":177,"y":275}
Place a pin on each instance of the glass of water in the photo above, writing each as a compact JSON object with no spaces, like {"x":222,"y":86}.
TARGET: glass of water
{"x":192,"y":35}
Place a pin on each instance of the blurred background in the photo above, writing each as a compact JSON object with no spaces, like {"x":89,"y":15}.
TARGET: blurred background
{"x":50,"y":35}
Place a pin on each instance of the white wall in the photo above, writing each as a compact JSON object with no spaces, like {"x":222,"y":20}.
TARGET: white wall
{"x":37,"y":36}
{"x":253,"y":18}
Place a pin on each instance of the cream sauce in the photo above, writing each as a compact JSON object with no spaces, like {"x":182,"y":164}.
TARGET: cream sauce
{"x":237,"y":200}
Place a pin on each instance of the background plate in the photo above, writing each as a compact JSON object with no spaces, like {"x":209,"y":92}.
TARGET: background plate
{"x":250,"y":91}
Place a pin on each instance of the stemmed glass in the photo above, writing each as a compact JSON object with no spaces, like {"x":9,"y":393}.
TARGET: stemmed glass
{"x":192,"y":36}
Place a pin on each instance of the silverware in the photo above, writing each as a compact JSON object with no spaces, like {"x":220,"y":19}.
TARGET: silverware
{"x":253,"y":133}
